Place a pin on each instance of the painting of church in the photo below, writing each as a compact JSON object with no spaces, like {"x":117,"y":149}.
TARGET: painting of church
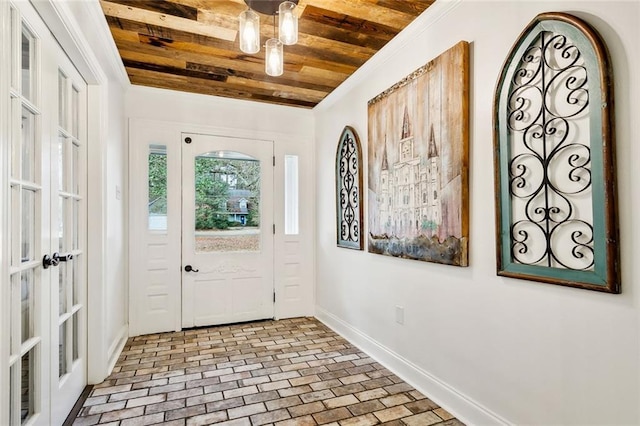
{"x":408,"y":202}
{"x":418,"y":148}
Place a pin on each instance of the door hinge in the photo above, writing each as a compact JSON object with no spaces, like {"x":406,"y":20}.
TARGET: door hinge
{"x":274,"y":229}
{"x":274,"y":161}
{"x":274,"y":297}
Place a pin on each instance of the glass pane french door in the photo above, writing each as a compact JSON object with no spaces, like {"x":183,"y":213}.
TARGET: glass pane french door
{"x":46,"y":100}
{"x":68,"y":375}
{"x":28,"y":339}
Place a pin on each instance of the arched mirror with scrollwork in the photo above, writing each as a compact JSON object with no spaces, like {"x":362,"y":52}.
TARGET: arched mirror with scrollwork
{"x":349,"y":190}
{"x":554,"y":158}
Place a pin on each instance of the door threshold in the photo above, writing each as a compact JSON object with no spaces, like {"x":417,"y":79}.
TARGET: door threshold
{"x":78,"y":406}
{"x":228,"y":324}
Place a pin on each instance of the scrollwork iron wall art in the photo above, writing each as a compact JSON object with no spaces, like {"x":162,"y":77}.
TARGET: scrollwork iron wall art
{"x":349,"y":190}
{"x":554,"y":161}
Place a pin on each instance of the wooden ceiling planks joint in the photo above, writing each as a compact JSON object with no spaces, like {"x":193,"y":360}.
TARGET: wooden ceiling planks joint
{"x":191,"y":45}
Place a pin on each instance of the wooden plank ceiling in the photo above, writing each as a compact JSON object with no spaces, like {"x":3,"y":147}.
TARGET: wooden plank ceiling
{"x":192,"y":45}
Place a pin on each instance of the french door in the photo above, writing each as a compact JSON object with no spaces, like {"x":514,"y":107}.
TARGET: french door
{"x":227,"y":230}
{"x":46,"y":205}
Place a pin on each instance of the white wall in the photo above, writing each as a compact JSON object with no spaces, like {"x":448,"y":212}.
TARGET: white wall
{"x":291,"y":130}
{"x":116,"y":288}
{"x":490,"y":349}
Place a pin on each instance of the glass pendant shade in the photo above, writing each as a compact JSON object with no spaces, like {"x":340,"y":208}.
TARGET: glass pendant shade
{"x":287,"y":23}
{"x":249,"y":31}
{"x":274,"y":60}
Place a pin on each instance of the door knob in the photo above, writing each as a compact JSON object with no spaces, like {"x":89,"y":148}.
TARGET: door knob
{"x":50,"y":261}
{"x":189,"y":268}
{"x":63,"y":257}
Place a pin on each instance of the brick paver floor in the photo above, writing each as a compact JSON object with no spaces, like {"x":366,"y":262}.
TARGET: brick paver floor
{"x":294,"y":372}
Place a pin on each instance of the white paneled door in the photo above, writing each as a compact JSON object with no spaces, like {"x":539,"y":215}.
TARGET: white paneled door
{"x":46,"y":179}
{"x":227,"y":230}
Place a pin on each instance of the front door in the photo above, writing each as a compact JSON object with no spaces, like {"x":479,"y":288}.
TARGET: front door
{"x":47,"y":367}
{"x":227,"y":230}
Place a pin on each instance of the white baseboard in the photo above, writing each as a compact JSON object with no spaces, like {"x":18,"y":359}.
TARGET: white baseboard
{"x":116,"y":348}
{"x":464,"y":408}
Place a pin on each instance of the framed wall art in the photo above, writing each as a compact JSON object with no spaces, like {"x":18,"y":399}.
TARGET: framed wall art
{"x":349,"y":191}
{"x":418,"y":152}
{"x":555,"y":177}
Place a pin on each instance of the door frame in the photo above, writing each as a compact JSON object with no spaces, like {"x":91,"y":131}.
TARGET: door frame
{"x":60,"y":20}
{"x":294,"y":294}
{"x":142,"y":133}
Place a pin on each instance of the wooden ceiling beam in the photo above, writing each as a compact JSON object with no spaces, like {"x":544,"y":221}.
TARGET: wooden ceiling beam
{"x":347,"y":23}
{"x":320,"y":80}
{"x":220,"y":89}
{"x":364,"y":9}
{"x":163,"y":7}
{"x":413,"y":8}
{"x":160,"y":19}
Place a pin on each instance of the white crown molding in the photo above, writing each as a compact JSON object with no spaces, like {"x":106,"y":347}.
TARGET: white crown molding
{"x":429,"y":17}
{"x":464,"y":408}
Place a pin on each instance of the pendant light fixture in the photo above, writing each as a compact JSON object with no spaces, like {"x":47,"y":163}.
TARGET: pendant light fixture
{"x":274,"y":58}
{"x":287,"y":23}
{"x":249,"y":31}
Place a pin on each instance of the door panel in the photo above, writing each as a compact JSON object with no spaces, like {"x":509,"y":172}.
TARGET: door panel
{"x":29,"y":341}
{"x":227,"y":237}
{"x":67,"y":239}
{"x":47,"y":369}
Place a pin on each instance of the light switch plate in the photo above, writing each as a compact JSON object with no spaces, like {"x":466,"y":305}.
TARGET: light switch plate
{"x":400,"y":314}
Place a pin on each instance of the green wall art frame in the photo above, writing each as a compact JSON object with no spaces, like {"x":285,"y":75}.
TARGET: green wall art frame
{"x":556,"y":209}
{"x":349,"y":214}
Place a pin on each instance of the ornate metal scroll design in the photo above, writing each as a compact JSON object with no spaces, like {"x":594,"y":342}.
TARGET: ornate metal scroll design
{"x":348,"y":170}
{"x":550,"y":165}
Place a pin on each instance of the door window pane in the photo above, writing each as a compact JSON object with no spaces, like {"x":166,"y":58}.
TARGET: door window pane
{"x":75,"y":112}
{"x":15,"y":46}
{"x":76,"y":224}
{"x":75,"y":349}
{"x":62,"y":351}
{"x":157,"y":200}
{"x":75,"y":157}
{"x":16,"y":227}
{"x":75,"y":279}
{"x":291,"y":194}
{"x":62,"y":288}
{"x":28,"y":144}
{"x":28,"y":225}
{"x":12,"y":390}
{"x":26,"y":67}
{"x":62,"y":150}
{"x":61,"y":219}
{"x":62,"y":100}
{"x":227,"y":210}
{"x":26,"y":304}
{"x":27,"y":384}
